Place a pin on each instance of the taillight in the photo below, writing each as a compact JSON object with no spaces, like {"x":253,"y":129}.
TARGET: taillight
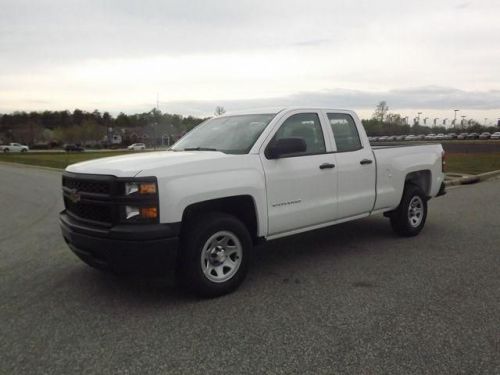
{"x":443,"y":161}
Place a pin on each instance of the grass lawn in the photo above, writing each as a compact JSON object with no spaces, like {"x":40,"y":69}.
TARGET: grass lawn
{"x":56,"y":159}
{"x":457,"y":162}
{"x":473,"y":163}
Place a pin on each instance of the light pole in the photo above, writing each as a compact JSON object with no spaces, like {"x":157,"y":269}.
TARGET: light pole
{"x":455,"y":119}
{"x":463,"y":121}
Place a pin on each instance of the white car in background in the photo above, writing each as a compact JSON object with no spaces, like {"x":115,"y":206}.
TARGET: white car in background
{"x":430,"y":136}
{"x":495,"y":135}
{"x":137,"y":147}
{"x":14,"y":147}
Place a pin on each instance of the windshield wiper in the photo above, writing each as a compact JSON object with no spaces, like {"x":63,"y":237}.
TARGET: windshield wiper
{"x":200,"y":149}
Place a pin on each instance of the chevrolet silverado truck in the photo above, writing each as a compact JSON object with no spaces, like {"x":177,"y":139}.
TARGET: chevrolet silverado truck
{"x":236,"y":180}
{"x":14,"y":147}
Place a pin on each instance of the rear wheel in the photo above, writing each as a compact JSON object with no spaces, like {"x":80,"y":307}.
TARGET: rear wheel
{"x":215,"y":255}
{"x":6,"y":150}
{"x":409,"y":218}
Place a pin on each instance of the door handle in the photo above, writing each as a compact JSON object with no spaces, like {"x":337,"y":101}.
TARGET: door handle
{"x":326,"y":166}
{"x":366,"y":161}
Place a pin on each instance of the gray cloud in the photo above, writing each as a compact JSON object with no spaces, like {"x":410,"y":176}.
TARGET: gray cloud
{"x":437,"y":98}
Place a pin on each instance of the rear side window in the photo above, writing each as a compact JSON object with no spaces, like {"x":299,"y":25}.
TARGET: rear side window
{"x":306,"y":126}
{"x":345,"y":132}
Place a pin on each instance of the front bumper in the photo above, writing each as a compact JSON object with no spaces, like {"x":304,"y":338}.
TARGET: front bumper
{"x":125,"y":248}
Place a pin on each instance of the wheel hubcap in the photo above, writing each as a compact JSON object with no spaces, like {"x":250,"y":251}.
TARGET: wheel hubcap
{"x":415,"y":211}
{"x":221,"y":256}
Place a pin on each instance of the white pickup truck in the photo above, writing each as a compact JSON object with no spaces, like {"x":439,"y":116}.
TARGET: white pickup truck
{"x":14,"y":147}
{"x":239,"y":179}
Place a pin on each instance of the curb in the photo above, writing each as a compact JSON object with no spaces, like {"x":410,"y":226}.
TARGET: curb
{"x":473,"y":179}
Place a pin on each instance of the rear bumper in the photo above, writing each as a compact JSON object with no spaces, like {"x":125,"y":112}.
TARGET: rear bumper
{"x":122,"y":247}
{"x":442,"y":190}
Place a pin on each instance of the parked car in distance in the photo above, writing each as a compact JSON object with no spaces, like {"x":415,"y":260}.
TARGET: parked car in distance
{"x":440,"y":136}
{"x":14,"y":147}
{"x":400,"y":137}
{"x":472,"y":136}
{"x":374,"y":139}
{"x":410,"y":137}
{"x":485,"y":135}
{"x":391,"y":138}
{"x":137,"y":146}
{"x":462,"y":136}
{"x":451,"y":136}
{"x":73,"y":148}
{"x":430,"y":136}
{"x":495,"y":135}
{"x":383,"y":138}
{"x":420,"y":137}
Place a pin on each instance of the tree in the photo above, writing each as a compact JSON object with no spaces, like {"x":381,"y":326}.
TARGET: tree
{"x":219,"y":110}
{"x":380,"y":111}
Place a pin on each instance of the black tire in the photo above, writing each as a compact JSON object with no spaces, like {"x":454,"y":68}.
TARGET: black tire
{"x":190,"y":272}
{"x":405,"y":223}
{"x":5,"y":150}
{"x":24,"y":150}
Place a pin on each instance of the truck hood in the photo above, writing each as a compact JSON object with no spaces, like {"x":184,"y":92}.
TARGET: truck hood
{"x":132,"y":165}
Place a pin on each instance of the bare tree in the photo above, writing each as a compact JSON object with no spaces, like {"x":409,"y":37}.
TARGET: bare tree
{"x":380,"y":111}
{"x":219,"y":110}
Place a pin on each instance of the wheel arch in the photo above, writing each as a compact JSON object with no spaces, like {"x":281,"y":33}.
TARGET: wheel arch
{"x":242,"y":207}
{"x":422,"y":179}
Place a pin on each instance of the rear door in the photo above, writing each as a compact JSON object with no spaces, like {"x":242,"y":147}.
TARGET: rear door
{"x":301,"y":188}
{"x":355,"y":164}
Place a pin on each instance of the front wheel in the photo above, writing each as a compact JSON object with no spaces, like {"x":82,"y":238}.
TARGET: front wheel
{"x":409,"y":218}
{"x":5,"y":150}
{"x":215,"y":254}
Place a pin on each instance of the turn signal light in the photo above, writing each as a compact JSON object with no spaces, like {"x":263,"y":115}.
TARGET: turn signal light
{"x":149,"y":213}
{"x":147,"y":188}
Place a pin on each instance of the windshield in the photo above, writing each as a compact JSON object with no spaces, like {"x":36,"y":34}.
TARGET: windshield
{"x":229,"y":134}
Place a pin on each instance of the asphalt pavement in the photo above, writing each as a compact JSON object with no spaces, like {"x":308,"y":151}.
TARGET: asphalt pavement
{"x":354,"y":298}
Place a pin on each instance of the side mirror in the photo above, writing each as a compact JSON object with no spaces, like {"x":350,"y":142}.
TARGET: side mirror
{"x":285,"y":146}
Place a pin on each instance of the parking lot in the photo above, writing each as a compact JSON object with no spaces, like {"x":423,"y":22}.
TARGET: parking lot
{"x":353,"y":298}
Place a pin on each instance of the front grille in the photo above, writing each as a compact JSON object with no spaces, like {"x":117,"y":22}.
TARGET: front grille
{"x":87,"y":186}
{"x":88,"y":197}
{"x":102,"y":213}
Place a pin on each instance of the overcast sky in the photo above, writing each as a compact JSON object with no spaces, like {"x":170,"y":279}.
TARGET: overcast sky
{"x":115,"y":55}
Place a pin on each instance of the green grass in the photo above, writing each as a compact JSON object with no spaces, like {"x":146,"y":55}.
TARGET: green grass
{"x":456,"y":162}
{"x":473,"y":163}
{"x":56,"y":159}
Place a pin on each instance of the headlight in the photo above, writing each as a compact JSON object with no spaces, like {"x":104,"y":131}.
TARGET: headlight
{"x":140,"y":187}
{"x":134,"y":213}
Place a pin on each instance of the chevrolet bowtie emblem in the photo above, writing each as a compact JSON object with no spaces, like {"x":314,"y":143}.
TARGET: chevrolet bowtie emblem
{"x":74,"y":196}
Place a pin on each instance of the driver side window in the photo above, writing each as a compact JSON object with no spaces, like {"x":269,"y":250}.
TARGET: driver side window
{"x":306,"y":126}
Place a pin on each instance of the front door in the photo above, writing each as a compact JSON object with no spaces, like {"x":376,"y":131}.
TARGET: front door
{"x":301,"y":188}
